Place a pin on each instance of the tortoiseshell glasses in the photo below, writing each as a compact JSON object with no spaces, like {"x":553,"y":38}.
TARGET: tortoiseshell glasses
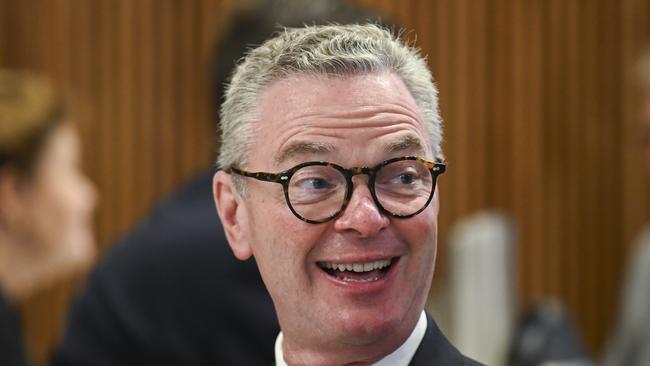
{"x":319,"y":191}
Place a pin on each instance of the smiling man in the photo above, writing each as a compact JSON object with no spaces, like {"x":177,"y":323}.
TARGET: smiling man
{"x":331,"y":148}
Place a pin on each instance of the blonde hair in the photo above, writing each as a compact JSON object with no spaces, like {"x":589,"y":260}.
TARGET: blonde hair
{"x":30,"y":109}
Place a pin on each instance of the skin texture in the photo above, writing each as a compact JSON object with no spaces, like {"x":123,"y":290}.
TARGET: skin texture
{"x":358,"y":118}
{"x":45,"y":219}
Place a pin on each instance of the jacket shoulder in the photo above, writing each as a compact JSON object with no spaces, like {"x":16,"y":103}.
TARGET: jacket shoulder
{"x":435,"y":349}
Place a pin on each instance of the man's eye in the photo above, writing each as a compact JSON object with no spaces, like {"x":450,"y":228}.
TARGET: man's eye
{"x":314,"y":183}
{"x":406,"y":178}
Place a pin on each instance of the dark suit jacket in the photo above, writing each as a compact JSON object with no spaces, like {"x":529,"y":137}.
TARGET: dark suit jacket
{"x":172,"y":293}
{"x":436,"y":350}
{"x":11,"y":345}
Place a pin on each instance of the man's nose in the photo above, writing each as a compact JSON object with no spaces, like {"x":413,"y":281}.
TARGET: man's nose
{"x":361,"y":216}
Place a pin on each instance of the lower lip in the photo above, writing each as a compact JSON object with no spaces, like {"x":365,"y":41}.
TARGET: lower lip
{"x":363,"y":287}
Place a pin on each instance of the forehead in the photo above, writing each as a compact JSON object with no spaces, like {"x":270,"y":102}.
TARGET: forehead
{"x":336,"y":114}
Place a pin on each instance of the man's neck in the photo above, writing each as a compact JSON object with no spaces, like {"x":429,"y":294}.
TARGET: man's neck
{"x":400,"y":351}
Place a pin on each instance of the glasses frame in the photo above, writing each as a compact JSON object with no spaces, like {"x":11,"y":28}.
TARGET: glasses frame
{"x":284,"y":178}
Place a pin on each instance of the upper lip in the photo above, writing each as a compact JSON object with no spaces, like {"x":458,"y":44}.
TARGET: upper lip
{"x":357,"y":259}
{"x":344,"y":252}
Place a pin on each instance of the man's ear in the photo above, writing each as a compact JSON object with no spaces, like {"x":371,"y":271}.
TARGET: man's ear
{"x":232,"y":214}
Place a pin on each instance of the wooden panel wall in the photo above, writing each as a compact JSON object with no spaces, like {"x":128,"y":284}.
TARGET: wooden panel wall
{"x":537,"y":96}
{"x":142,"y":69}
{"x":541,"y":123}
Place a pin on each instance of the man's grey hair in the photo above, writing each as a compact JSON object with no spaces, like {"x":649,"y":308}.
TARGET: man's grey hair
{"x":330,"y":50}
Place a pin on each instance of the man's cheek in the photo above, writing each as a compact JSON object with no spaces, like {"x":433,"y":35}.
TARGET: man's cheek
{"x":421,"y":230}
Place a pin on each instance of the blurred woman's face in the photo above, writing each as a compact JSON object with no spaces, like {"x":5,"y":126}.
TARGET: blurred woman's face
{"x":58,"y":202}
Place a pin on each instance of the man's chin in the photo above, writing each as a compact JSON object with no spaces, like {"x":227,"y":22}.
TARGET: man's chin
{"x":366,"y":329}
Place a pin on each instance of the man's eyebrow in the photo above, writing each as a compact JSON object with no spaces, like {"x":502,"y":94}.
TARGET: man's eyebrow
{"x":302,"y":147}
{"x":408,"y":142}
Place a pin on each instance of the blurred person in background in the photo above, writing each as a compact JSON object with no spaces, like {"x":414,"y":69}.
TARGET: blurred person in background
{"x":171,"y":292}
{"x":630,"y":345}
{"x":46,"y":201}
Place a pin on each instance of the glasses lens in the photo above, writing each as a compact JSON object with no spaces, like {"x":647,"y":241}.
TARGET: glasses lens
{"x":404,"y":187}
{"x":317,"y":192}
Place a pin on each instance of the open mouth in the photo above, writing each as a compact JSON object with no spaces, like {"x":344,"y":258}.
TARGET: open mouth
{"x":358,"y":272}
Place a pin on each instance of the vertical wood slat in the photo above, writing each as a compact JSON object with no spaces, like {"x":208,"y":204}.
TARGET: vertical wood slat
{"x":123,"y":124}
{"x":187,"y":67}
{"x":146,"y":127}
{"x":556,"y":156}
{"x":167,"y":43}
{"x":517,"y":127}
{"x":537,"y":97}
{"x":440,"y":58}
{"x":591,"y":182}
{"x":479,"y":96}
{"x":573,"y":145}
{"x":4,"y":28}
{"x":635,"y":30}
{"x":610,"y":140}
{"x":460,"y":154}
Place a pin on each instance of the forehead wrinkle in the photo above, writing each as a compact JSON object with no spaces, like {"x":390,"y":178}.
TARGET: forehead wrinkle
{"x":336,"y":121}
{"x":380,"y":120}
{"x":306,"y":140}
{"x":361,"y":113}
{"x":301,"y":147}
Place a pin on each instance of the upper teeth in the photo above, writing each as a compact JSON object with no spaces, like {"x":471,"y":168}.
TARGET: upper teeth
{"x":356,"y":267}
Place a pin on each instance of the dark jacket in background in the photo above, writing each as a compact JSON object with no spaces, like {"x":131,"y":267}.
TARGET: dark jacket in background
{"x":172,"y":293}
{"x":11,"y":341}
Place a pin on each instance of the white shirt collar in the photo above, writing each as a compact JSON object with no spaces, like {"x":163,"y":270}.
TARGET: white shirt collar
{"x":400,"y":357}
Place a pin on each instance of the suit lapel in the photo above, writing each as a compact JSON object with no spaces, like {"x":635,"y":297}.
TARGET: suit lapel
{"x":435,"y":349}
